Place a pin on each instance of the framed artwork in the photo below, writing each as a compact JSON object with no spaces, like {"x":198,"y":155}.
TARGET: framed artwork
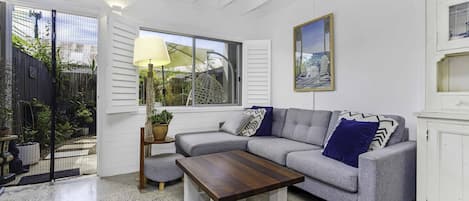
{"x":453,"y":24}
{"x":313,"y":49}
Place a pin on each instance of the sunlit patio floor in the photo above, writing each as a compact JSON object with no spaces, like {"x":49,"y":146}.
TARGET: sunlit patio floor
{"x":81,"y":156}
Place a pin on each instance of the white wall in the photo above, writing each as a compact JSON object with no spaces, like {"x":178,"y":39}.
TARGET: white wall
{"x":380,"y":55}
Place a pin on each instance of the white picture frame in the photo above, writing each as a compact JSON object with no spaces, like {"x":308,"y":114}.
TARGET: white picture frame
{"x":443,"y":24}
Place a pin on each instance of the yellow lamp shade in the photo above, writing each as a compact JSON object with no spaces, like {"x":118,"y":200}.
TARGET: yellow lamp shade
{"x":150,"y":50}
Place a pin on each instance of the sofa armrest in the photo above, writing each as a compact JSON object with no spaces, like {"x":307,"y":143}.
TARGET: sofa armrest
{"x":388,"y":174}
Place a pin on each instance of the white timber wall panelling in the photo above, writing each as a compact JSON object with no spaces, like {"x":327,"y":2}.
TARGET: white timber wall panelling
{"x":256,"y":73}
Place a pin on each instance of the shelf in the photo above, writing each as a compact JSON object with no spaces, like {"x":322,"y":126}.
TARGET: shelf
{"x":453,"y":73}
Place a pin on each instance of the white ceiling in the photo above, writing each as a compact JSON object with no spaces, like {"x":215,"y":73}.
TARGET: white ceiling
{"x":232,"y":7}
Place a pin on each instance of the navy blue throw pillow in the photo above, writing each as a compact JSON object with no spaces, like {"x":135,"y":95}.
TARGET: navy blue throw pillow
{"x":266,"y":126}
{"x":349,"y":140}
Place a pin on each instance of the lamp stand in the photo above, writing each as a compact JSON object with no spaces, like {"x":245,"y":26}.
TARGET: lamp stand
{"x":164,"y":86}
{"x":149,"y":100}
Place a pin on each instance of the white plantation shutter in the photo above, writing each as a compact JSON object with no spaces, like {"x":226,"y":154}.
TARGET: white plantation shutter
{"x":122,"y":83}
{"x":256,"y":73}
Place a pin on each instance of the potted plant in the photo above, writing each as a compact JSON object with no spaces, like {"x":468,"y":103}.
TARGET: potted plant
{"x":29,"y":150}
{"x":160,"y":122}
{"x":85,"y":118}
{"x":35,"y":134}
{"x":5,"y":117}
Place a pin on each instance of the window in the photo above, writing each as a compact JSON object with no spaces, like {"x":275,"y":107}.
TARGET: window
{"x":202,"y":72}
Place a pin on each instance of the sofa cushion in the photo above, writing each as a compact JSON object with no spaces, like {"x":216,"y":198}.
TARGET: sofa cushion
{"x":350,"y":139}
{"x":257,"y":117}
{"x":401,"y":134}
{"x":265,"y":128}
{"x":276,"y":149}
{"x":332,"y":125}
{"x":313,"y":164}
{"x":236,"y":124}
{"x":306,"y":126}
{"x":278,"y":121}
{"x":210,"y":142}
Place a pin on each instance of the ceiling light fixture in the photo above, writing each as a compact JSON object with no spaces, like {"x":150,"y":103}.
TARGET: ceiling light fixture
{"x":122,"y":4}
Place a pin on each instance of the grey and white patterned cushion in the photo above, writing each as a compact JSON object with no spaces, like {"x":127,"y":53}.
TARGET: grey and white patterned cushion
{"x":257,"y":115}
{"x":386,"y":127}
{"x":236,"y":124}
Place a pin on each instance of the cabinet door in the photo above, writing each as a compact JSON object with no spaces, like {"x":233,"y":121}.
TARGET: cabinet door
{"x":448,"y":162}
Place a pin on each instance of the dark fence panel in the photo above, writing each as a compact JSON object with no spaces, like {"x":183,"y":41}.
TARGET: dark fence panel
{"x":32,"y":79}
{"x":74,"y":83}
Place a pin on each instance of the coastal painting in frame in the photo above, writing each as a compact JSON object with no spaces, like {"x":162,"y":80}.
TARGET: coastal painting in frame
{"x":314,"y":55}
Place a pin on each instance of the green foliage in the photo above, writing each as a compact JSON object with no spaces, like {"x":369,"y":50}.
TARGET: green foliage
{"x":177,"y":87}
{"x":29,"y":135}
{"x":20,"y":43}
{"x":40,"y":50}
{"x":164,"y":117}
{"x":83,"y":115}
{"x":43,"y":123}
{"x":65,"y":129}
{"x":5,"y":116}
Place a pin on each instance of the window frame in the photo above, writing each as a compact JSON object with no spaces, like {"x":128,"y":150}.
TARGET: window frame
{"x":239,"y":69}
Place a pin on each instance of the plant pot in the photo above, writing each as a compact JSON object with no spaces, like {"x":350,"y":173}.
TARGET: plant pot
{"x":5,"y":132}
{"x":160,"y":131}
{"x":84,"y":131}
{"x":30,"y":153}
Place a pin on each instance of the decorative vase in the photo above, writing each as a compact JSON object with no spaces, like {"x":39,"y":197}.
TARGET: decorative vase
{"x":160,"y":131}
{"x":30,"y":153}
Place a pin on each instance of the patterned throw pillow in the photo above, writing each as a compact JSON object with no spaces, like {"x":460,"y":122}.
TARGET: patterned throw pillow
{"x":386,"y":128}
{"x":257,"y":115}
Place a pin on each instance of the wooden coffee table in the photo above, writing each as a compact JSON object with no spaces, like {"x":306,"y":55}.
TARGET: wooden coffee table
{"x":235,"y":175}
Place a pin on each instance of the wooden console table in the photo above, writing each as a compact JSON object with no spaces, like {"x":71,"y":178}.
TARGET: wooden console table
{"x":143,"y":154}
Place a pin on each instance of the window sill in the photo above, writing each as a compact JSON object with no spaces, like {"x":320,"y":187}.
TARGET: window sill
{"x":182,"y":109}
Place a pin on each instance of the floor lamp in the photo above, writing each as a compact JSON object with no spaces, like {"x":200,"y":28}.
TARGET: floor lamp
{"x":149,"y":52}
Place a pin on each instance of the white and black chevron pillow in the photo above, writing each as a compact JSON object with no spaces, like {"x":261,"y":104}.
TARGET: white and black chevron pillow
{"x":386,"y":127}
{"x":257,"y":116}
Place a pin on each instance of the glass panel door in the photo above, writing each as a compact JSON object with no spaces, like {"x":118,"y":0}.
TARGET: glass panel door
{"x":53,"y":76}
{"x":32,"y":93}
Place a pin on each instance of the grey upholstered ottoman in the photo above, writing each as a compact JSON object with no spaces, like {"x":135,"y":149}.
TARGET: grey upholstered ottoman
{"x":162,"y":168}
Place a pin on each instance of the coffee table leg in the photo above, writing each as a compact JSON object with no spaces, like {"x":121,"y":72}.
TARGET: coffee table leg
{"x":278,"y":195}
{"x":191,"y":192}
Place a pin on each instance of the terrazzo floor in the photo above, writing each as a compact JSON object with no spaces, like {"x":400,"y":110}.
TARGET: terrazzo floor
{"x":117,"y":188}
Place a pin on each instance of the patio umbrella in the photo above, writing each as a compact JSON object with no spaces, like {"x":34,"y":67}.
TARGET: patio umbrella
{"x":181,"y":58}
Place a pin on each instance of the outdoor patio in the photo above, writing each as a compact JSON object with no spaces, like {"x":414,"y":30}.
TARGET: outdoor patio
{"x":78,"y":154}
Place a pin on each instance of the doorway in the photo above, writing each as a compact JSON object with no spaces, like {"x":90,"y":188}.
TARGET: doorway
{"x":53,"y":94}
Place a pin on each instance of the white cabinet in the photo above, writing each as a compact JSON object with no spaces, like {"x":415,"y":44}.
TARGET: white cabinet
{"x":443,"y":157}
{"x":443,"y":129}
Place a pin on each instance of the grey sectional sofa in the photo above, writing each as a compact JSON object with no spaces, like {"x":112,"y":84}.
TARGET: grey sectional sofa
{"x":298,"y":138}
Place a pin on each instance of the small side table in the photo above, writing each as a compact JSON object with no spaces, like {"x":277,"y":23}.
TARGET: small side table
{"x":143,"y":144}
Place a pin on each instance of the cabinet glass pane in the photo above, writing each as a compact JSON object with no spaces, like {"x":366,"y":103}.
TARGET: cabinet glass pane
{"x":459,"y":21}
